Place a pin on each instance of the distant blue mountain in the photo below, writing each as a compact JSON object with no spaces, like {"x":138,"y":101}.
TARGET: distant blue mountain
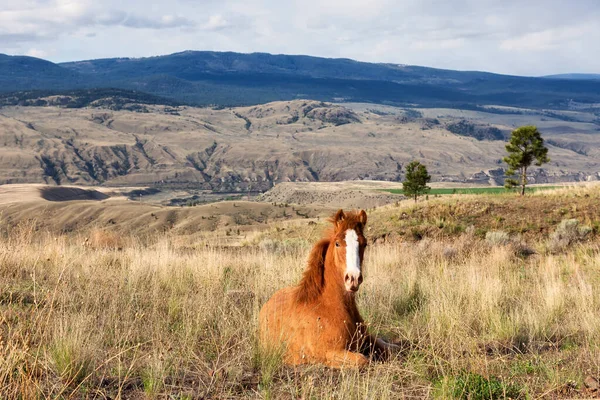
{"x":574,"y":76}
{"x":29,"y":73}
{"x":226,"y":78}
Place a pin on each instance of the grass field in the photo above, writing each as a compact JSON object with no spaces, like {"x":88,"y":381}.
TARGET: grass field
{"x":476,"y":190}
{"x":484,"y":313}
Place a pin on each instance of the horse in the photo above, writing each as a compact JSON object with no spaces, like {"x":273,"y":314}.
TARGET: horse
{"x":317,"y":321}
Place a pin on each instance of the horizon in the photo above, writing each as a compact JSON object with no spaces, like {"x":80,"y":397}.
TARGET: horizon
{"x":298,"y":55}
{"x":536,"y":38}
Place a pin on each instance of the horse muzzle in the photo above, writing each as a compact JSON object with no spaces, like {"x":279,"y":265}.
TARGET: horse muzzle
{"x":352,"y":282}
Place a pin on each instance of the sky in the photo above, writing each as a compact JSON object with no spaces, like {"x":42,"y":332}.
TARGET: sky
{"x":521,"y":37}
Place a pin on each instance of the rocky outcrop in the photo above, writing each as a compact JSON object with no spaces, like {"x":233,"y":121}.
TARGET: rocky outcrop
{"x":475,"y":130}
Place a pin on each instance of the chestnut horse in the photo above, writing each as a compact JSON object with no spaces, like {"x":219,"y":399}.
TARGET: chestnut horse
{"x":317,"y":321}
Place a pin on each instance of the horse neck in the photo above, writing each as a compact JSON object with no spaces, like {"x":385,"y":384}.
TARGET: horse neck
{"x":323,"y":283}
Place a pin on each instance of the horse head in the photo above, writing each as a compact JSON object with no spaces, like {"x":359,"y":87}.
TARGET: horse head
{"x":348,"y":246}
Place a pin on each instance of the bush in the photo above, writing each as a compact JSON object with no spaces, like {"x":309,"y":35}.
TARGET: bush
{"x":569,"y":231}
{"x":497,"y":238}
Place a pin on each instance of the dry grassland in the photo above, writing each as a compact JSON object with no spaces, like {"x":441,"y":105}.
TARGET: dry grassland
{"x":112,"y":316}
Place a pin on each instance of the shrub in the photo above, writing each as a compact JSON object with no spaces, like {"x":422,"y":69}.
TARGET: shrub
{"x":470,"y":230}
{"x":569,"y":231}
{"x":497,"y":238}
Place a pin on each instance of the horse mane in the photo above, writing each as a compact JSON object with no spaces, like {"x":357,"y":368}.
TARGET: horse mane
{"x":313,"y":279}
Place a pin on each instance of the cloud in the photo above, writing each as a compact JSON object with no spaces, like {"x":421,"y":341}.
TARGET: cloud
{"x":112,"y":17}
{"x":215,"y":22}
{"x":36,"y":53}
{"x":52,"y":19}
{"x":163,"y":22}
{"x":548,"y":39}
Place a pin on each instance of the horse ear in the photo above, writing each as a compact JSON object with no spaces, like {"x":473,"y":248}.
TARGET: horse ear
{"x":362,"y":217}
{"x":338,"y":217}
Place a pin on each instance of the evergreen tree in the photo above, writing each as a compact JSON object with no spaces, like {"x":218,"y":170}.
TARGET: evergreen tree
{"x":525,"y":146}
{"x":415,"y":182}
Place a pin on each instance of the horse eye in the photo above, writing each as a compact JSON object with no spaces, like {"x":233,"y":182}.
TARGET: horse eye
{"x":337,"y":244}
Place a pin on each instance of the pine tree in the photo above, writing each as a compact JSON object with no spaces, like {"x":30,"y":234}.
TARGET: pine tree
{"x":525,"y":146}
{"x":415,"y":182}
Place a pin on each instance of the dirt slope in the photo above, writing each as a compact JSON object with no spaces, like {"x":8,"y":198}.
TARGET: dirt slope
{"x":79,"y":210}
{"x":335,"y":194}
{"x":252,"y":148}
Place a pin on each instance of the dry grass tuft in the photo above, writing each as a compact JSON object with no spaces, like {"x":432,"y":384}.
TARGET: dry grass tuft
{"x":104,"y":239}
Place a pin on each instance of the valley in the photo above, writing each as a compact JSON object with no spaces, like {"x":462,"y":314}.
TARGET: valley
{"x":247,"y":150}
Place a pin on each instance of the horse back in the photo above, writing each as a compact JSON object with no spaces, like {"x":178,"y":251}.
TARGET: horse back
{"x":273,"y":313}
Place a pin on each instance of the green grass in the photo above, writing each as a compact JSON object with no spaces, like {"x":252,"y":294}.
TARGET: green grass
{"x":474,"y":190}
{"x":471,"y":386}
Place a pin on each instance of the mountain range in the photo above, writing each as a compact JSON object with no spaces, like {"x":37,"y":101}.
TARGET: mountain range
{"x":226,"y":78}
{"x":575,"y":76}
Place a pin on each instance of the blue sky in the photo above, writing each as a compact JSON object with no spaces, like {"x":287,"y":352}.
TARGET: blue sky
{"x":531,"y":37}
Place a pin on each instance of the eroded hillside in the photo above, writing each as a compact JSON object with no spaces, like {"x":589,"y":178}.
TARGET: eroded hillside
{"x":251,"y":148}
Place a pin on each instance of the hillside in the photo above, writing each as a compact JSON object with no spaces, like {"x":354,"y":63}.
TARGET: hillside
{"x":117,"y":141}
{"x":113,"y":99}
{"x":71,"y":209}
{"x":29,"y":73}
{"x":487,"y":297}
{"x":226,"y":78}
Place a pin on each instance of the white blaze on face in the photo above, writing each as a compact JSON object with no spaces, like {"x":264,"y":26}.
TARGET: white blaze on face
{"x":352,"y":257}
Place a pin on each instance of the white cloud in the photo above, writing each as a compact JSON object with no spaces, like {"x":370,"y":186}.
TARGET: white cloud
{"x":36,"y":53}
{"x":549,"y":39}
{"x":53,"y":19}
{"x":161,"y":22}
{"x":215,"y":22}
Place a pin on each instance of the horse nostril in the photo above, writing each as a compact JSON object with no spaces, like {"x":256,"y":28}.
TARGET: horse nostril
{"x":360,"y":279}
{"x":347,"y":278}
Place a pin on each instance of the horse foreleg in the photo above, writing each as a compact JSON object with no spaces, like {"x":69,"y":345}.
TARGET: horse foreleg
{"x":345,"y":358}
